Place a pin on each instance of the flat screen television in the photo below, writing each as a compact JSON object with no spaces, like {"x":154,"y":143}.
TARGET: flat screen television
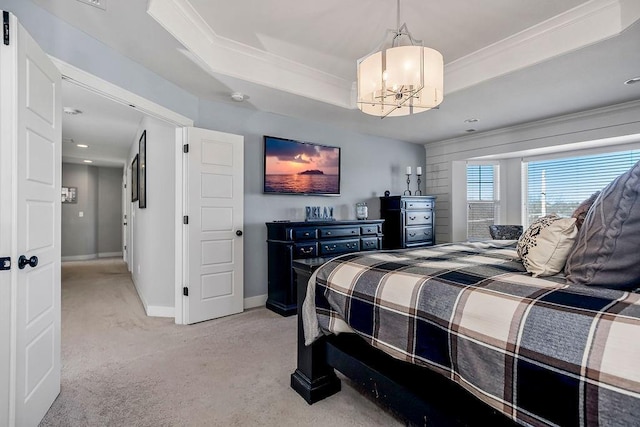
{"x":297,"y":167}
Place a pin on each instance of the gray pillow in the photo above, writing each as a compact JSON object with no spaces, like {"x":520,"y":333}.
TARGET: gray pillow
{"x":607,"y":250}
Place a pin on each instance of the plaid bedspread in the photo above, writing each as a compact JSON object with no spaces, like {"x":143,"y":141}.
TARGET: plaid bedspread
{"x":540,"y":351}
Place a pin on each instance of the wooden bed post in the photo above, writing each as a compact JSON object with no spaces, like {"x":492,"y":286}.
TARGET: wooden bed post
{"x":314,"y":379}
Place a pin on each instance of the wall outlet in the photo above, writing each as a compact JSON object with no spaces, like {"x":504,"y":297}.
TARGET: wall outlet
{"x":81,"y":214}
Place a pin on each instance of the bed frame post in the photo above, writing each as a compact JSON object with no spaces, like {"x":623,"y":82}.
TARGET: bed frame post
{"x":314,"y":379}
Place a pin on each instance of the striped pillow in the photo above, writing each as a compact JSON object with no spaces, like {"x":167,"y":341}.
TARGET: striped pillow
{"x":607,"y":250}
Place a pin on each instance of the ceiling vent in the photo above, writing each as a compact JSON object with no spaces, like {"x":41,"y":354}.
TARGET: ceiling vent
{"x":100,"y":4}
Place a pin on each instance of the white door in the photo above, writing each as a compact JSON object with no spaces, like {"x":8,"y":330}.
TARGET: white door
{"x":214,"y":192}
{"x":31,"y":136}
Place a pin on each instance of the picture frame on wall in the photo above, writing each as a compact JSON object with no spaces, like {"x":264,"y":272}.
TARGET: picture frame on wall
{"x":69,"y":194}
{"x":142,"y":171}
{"x":134,"y":179}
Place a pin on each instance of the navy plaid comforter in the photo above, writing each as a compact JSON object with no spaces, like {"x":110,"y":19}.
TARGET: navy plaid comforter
{"x":540,"y":351}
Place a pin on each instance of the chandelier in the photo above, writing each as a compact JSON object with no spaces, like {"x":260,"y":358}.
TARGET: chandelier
{"x":401,"y":77}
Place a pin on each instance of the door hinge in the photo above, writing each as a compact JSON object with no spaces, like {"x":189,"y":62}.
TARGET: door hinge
{"x":185,"y":291}
{"x":5,"y":263}
{"x":185,"y":148}
{"x":185,"y":219}
{"x":5,"y":27}
{"x":125,"y":247}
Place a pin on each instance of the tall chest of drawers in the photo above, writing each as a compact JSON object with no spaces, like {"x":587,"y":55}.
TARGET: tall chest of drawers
{"x":288,"y":241}
{"x":409,"y":221}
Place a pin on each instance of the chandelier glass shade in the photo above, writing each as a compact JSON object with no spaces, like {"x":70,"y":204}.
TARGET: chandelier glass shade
{"x":398,"y":80}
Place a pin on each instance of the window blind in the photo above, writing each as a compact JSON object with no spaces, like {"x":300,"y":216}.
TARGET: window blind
{"x":560,"y":185}
{"x":482,"y":203}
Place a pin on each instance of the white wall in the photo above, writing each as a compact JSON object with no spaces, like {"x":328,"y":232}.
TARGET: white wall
{"x":446,"y":159}
{"x":152,"y":229}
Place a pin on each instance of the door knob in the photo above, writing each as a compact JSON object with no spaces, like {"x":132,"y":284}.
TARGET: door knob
{"x":23,"y":261}
{"x":238,"y":232}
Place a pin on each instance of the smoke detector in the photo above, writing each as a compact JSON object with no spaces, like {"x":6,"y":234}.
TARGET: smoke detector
{"x":238,"y":96}
{"x":100,"y":4}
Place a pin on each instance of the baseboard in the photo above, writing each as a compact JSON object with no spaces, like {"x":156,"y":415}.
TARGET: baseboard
{"x":159,"y":311}
{"x":109,"y":254}
{"x":253,"y":302}
{"x":79,"y":257}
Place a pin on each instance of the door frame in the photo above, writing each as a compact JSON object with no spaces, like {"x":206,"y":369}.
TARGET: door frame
{"x":111,"y":91}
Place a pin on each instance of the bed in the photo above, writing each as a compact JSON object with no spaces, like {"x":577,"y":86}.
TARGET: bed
{"x":461,"y":334}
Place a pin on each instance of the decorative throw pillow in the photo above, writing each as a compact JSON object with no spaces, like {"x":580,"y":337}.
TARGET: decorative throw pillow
{"x":546,"y":244}
{"x":607,"y":251}
{"x":581,"y":211}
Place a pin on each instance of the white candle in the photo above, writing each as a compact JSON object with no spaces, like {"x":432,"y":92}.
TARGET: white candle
{"x":408,"y":170}
{"x":419,"y":170}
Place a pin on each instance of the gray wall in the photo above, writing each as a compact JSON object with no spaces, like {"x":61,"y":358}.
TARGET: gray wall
{"x":80,"y":234}
{"x":109,"y":210}
{"x":99,"y":198}
{"x":370,"y":165}
{"x":153,"y":228}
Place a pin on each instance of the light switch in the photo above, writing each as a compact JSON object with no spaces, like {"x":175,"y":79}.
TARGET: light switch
{"x":80,"y":214}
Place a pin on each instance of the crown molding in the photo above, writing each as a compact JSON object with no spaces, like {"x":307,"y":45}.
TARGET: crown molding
{"x":224,"y":56}
{"x":626,"y":113}
{"x":581,"y":26}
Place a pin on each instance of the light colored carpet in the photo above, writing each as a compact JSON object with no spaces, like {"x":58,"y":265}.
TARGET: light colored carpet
{"x":122,"y":368}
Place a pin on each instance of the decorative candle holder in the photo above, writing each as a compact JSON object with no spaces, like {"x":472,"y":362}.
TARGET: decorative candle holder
{"x":407,"y":191}
{"x":418,"y":192}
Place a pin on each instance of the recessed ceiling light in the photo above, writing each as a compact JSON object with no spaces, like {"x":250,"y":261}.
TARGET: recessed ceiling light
{"x":82,"y":146}
{"x":472,"y":120}
{"x":71,"y":111}
{"x":633,"y":81}
{"x":88,"y":161}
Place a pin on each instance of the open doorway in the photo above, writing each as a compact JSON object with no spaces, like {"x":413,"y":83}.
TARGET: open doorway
{"x":140,"y":114}
{"x":97,"y":136}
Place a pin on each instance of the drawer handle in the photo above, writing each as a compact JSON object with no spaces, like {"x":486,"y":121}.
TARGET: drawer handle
{"x":412,"y":217}
{"x":306,"y":250}
{"x":410,"y":204}
{"x":306,"y":234}
{"x":426,"y":217}
{"x":412,"y":234}
{"x":330,"y":248}
{"x":426,"y":233}
{"x":328,"y":233}
{"x":353,"y":231}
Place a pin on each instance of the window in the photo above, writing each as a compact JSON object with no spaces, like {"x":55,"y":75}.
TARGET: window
{"x":560,"y":185}
{"x":482,"y":200}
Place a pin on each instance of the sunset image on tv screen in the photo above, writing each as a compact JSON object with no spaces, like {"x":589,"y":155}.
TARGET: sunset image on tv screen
{"x":295,"y":167}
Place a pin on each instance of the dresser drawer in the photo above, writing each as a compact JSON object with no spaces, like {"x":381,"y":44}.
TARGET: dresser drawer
{"x":339,"y":246}
{"x":339,"y":232}
{"x":305,"y":250}
{"x":304,"y":233}
{"x":369,"y":229}
{"x":417,"y":234}
{"x":418,"y":204}
{"x":369,"y":244}
{"x":418,"y":218}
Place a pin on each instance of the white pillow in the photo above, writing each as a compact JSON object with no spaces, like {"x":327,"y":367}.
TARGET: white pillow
{"x":545,"y":246}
